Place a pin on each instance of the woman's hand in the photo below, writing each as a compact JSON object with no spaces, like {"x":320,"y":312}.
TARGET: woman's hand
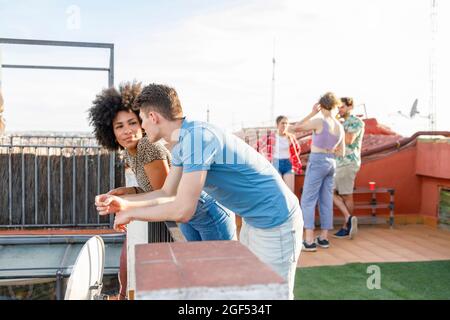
{"x":316,"y":109}
{"x":338,"y":151}
{"x":107,"y":204}
{"x":122,"y":191}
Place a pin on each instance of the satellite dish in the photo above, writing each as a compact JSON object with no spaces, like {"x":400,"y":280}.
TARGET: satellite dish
{"x":402,"y":114}
{"x":85,"y":281}
{"x":414,"y":110}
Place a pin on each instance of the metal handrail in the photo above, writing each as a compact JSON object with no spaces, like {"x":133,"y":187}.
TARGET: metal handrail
{"x":109,"y":46}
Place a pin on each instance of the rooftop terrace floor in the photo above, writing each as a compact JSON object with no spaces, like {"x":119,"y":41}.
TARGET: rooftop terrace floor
{"x":379,"y":243}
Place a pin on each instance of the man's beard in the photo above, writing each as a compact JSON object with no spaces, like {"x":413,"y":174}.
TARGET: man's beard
{"x":345,"y":115}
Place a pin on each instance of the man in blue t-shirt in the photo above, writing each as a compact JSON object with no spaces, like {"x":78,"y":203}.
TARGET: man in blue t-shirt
{"x":205,"y":157}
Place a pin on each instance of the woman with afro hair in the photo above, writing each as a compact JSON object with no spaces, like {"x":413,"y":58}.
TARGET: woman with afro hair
{"x":117,"y":126}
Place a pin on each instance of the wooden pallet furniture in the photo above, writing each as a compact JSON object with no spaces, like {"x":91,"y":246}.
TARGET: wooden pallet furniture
{"x":375,"y":204}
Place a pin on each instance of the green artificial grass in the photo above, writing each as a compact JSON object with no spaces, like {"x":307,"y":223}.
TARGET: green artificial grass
{"x":399,"y":281}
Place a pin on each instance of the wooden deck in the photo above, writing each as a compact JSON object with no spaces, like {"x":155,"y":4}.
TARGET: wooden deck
{"x":379,"y":243}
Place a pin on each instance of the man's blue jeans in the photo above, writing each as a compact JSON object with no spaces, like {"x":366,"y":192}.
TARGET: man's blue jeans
{"x":211,"y":221}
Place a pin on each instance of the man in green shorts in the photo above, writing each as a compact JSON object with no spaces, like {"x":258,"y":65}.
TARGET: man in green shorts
{"x":347,"y":167}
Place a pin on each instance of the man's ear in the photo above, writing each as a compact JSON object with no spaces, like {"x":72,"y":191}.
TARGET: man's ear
{"x":154,"y":117}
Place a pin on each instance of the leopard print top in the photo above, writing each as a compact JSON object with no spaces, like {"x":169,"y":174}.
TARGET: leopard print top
{"x":146,"y":153}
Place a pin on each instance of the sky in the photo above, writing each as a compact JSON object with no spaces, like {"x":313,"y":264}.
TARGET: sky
{"x":218,"y":55}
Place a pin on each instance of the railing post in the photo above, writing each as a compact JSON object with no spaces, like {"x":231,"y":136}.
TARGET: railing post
{"x":86,"y":185}
{"x":36,"y":182}
{"x":74,"y":186}
{"x":98,"y":177}
{"x":111,"y":67}
{"x":10,"y":183}
{"x":23,"y":185}
{"x":61,"y":186}
{"x":49,"y":190}
{"x":112,"y":178}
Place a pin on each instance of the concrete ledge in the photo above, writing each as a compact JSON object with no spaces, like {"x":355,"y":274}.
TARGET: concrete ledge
{"x":260,"y":292}
{"x":204,"y":270}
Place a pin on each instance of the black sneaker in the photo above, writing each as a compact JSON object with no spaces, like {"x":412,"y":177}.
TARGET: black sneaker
{"x":342,"y":233}
{"x":309,"y":247}
{"x":352,"y":226}
{"x":323,"y":243}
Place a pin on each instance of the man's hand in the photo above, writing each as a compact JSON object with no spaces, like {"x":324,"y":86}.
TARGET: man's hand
{"x":107,"y":204}
{"x":120,"y":222}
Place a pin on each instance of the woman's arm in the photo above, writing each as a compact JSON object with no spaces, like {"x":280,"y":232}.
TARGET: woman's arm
{"x":340,"y":149}
{"x":157,"y":172}
{"x":109,"y":203}
{"x":180,"y":208}
{"x":121,"y":191}
{"x":306,"y":123}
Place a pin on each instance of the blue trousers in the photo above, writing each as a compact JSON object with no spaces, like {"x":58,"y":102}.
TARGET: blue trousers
{"x":211,"y":221}
{"x":318,"y":187}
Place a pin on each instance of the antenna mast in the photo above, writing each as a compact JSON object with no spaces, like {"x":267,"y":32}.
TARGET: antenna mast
{"x":272,"y":105}
{"x":2,"y":120}
{"x":432,"y":66}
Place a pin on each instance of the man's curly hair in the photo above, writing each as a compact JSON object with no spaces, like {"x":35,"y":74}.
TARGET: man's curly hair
{"x":160,"y":98}
{"x":347,"y":101}
{"x":106,"y":106}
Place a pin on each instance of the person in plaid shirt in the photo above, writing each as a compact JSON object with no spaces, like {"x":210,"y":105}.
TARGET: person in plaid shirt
{"x":283,"y":151}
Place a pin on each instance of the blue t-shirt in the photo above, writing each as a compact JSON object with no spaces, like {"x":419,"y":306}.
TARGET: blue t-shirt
{"x":238,"y":177}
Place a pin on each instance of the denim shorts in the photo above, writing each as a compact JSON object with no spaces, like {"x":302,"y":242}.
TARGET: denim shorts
{"x":283,"y":166}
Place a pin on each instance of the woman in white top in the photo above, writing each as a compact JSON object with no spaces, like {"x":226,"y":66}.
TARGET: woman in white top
{"x":284,"y":152}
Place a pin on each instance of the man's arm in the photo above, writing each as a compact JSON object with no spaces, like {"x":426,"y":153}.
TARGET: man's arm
{"x":181,"y":209}
{"x":353,"y":131}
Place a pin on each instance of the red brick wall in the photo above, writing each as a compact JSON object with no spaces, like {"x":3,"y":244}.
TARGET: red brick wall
{"x":396,"y":171}
{"x":430,"y":195}
{"x":433,"y":158}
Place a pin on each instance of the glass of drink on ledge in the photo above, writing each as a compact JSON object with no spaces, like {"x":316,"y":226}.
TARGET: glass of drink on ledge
{"x":372,"y":185}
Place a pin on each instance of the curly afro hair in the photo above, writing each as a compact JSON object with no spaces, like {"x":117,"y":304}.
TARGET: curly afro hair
{"x":106,"y":106}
